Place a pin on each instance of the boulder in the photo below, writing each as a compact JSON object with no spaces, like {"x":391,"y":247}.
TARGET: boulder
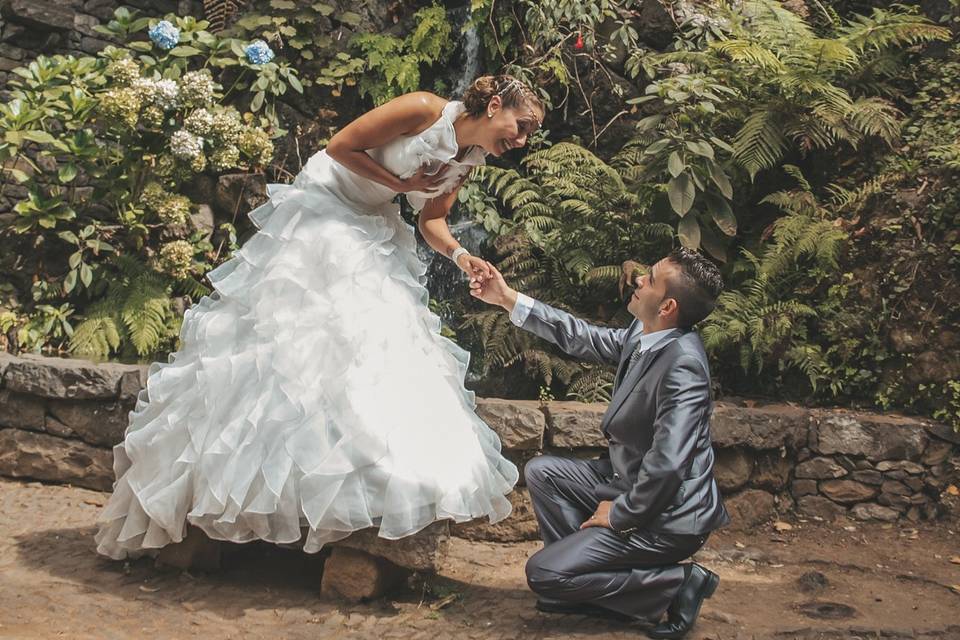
{"x":423,"y":551}
{"x":750,"y":509}
{"x":873,"y":436}
{"x":575,"y":424}
{"x":871,"y":511}
{"x":847,"y":491}
{"x":819,"y":507}
{"x":52,"y":16}
{"x":356,"y":575}
{"x":820,"y":469}
{"x":97,"y":423}
{"x":25,"y":454}
{"x":65,"y":378}
{"x":732,"y":469}
{"x":21,"y":411}
{"x":520,"y":424}
{"x":519,"y":526}
{"x":771,"y":470}
{"x":769,"y":427}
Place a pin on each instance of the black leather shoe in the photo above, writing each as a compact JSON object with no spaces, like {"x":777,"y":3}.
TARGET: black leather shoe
{"x":547,"y":605}
{"x":698,"y":585}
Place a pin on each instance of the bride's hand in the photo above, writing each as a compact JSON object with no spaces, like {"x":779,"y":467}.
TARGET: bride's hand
{"x":422,"y":181}
{"x":475,"y":267}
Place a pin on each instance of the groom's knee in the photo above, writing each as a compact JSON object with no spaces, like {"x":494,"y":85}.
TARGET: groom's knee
{"x":543,"y":577}
{"x":537,"y":469}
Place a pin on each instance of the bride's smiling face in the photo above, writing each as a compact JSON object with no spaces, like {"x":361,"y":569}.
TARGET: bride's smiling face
{"x":508,"y":128}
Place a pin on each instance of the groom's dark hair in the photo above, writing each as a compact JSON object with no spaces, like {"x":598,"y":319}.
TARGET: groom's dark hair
{"x":696,"y":288}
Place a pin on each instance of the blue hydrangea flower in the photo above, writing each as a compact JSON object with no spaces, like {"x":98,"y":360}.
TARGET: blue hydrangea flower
{"x":258,"y":52}
{"x":164,"y":34}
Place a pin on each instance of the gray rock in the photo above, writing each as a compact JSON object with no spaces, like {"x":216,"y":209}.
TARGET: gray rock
{"x":240,"y":192}
{"x":97,"y":423}
{"x":64,"y":378}
{"x":896,"y":502}
{"x":202,"y":220}
{"x":519,"y":423}
{"x":898,"y":488}
{"x":771,"y":471}
{"x":847,"y":491}
{"x":768,"y":427}
{"x":871,"y":511}
{"x":801,"y":488}
{"x":877,"y":437}
{"x":819,"y":507}
{"x":25,"y":454}
{"x":943,"y":432}
{"x":750,"y":509}
{"x":867,"y":476}
{"x":355,"y":575}
{"x":575,"y":424}
{"x":21,"y":411}
{"x":521,"y":525}
{"x":39,"y":13}
{"x":820,"y":469}
{"x":732,"y":469}
{"x":937,"y":451}
{"x":900,"y":465}
{"x":423,"y":551}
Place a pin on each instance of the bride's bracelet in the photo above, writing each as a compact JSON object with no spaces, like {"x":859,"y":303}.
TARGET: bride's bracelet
{"x":459,"y":251}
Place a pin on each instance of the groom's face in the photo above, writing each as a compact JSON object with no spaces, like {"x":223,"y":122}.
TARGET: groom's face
{"x":651,"y":290}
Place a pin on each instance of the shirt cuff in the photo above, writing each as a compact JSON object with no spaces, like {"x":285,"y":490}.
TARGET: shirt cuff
{"x":521,"y":309}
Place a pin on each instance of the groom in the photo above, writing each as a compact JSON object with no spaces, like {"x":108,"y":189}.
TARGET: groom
{"x":616,"y":529}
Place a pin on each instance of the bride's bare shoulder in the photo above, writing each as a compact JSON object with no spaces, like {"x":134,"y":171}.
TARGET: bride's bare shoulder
{"x":421,"y":107}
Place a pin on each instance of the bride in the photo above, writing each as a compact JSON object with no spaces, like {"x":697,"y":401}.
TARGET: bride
{"x":312,"y":388}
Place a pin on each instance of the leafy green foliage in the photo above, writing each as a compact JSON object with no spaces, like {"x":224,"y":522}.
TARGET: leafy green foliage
{"x":102,"y":146}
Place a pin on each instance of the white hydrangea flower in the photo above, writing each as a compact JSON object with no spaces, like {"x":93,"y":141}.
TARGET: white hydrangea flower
{"x":162,"y":93}
{"x":196,"y":87}
{"x":185,"y":145}
{"x":199,"y":122}
{"x":166,"y":94}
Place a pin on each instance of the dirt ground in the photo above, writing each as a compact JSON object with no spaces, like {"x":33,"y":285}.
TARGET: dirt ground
{"x":815,"y":581}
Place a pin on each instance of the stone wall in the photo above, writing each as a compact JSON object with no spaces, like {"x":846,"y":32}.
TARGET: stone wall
{"x":59,"y":418}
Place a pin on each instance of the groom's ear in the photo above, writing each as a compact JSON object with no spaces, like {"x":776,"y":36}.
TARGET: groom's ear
{"x":670,"y":308}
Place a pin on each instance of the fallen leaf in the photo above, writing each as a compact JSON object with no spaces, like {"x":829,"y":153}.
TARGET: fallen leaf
{"x":955,"y":559}
{"x":955,"y":588}
{"x":147,"y":589}
{"x":92,"y":502}
{"x":953,"y":491}
{"x":782,"y":526}
{"x":739,"y":545}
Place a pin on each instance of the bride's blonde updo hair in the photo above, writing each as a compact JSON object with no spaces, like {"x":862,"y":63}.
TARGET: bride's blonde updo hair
{"x":512,"y":92}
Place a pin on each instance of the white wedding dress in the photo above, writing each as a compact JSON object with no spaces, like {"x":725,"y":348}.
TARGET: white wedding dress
{"x":313,"y":388}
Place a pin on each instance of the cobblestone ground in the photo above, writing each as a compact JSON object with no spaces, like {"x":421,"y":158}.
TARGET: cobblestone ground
{"x":814,"y":581}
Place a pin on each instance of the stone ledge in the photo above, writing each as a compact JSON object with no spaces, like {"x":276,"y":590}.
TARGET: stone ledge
{"x":70,"y":379}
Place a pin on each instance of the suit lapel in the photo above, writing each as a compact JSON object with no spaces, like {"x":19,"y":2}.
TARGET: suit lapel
{"x":633,"y":374}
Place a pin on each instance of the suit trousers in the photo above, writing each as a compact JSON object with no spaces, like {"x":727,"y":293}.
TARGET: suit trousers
{"x":636,"y":574}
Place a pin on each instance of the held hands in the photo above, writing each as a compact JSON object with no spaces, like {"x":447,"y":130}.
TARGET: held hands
{"x":423,"y":181}
{"x":493,"y":289}
{"x":601,"y":517}
{"x":477,"y":268}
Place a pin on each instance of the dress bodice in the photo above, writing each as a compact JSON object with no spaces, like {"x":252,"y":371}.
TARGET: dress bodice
{"x":434,"y":147}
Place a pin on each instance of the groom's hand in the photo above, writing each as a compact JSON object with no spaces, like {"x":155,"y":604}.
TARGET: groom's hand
{"x":601,"y":517}
{"x":494,"y":289}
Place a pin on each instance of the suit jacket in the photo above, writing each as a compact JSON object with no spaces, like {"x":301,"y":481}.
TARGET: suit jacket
{"x":657,"y":424}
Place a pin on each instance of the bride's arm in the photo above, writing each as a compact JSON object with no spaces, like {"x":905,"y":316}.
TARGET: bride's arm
{"x":432,"y":223}
{"x":405,"y":115}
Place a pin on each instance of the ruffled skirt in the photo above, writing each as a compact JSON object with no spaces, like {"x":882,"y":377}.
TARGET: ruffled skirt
{"x":312,"y":391}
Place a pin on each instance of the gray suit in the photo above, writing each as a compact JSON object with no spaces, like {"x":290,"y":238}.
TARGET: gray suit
{"x":659,"y":474}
